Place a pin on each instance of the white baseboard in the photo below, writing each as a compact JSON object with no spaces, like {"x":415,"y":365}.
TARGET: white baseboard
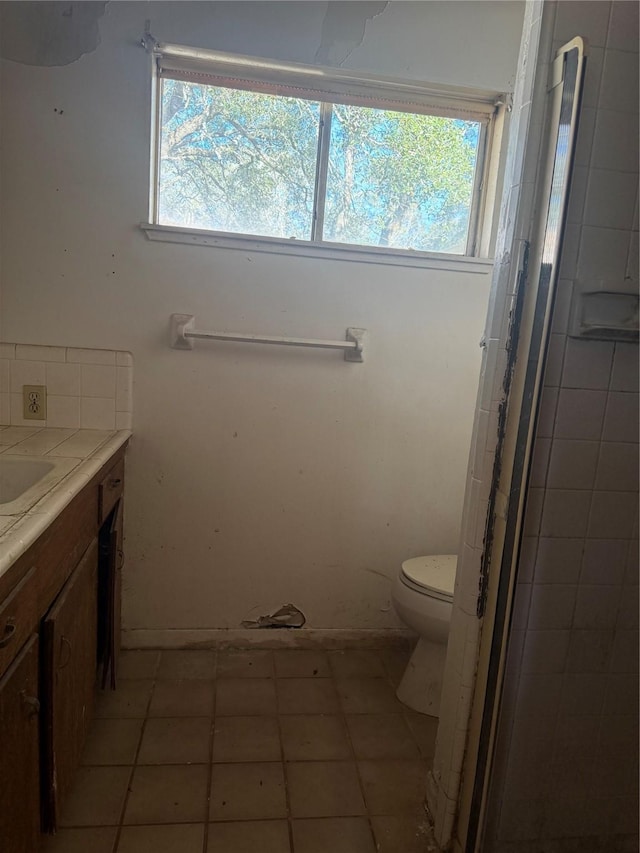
{"x":278,"y":638}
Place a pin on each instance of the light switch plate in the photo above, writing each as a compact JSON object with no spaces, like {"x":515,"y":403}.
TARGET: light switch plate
{"x":34,"y":402}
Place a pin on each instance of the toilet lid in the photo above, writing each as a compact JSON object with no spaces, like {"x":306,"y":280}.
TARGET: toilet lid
{"x":435,"y":573}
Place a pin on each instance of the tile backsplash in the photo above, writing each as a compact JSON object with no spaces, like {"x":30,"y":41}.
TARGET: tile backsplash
{"x":86,"y":388}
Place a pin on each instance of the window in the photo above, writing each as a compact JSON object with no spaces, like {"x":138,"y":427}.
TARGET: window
{"x":248,"y":147}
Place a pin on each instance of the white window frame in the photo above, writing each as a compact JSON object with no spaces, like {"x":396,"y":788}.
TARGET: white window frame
{"x":329,"y":86}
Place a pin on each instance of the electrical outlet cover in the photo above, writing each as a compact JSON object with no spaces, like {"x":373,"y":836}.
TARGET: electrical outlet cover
{"x":34,"y":402}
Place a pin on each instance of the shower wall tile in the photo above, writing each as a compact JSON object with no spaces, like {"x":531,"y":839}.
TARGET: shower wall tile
{"x":592,"y":82}
{"x":615,"y":141}
{"x":621,"y":417}
{"x":596,"y":607}
{"x":623,"y":27}
{"x":558,"y":561}
{"x":593,"y":18}
{"x":580,"y":414}
{"x":587,"y":364}
{"x":574,"y":666}
{"x":573,"y":464}
{"x":569,"y":258}
{"x":613,"y":515}
{"x":583,"y":693}
{"x":603,"y":561}
{"x":533,"y":511}
{"x":540,"y":462}
{"x":552,"y":606}
{"x":632,"y":568}
{"x":622,"y":696}
{"x":617,"y":467}
{"x":547,"y":413}
{"x":526,"y":563}
{"x":555,"y":360}
{"x":625,"y":652}
{"x":610,"y":199}
{"x":565,"y":513}
{"x":545,"y":651}
{"x":86,"y":388}
{"x":577,"y":199}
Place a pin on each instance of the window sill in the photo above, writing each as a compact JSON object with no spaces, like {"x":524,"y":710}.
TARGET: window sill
{"x":328,"y":251}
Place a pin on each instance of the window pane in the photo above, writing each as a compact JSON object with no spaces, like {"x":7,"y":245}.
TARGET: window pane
{"x":237,"y":161}
{"x":400,"y":180}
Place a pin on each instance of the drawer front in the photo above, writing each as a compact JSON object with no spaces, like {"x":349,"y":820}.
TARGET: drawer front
{"x":110,"y":490}
{"x":18,"y":618}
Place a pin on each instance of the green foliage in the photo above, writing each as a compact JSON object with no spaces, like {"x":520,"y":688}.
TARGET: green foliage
{"x":241,"y":161}
{"x":400,"y":179}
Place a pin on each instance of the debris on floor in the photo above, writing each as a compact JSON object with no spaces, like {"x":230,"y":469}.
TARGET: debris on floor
{"x":287,"y":616}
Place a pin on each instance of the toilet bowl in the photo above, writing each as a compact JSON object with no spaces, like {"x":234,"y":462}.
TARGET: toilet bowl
{"x":423,"y":598}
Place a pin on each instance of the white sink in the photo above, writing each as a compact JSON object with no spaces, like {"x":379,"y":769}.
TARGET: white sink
{"x":25,"y":479}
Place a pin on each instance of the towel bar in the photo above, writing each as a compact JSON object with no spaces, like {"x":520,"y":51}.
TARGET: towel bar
{"x":182,"y":333}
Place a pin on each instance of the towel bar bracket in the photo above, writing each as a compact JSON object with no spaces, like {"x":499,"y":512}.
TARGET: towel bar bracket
{"x":357,"y":336}
{"x":182,"y":333}
{"x":179,"y":328}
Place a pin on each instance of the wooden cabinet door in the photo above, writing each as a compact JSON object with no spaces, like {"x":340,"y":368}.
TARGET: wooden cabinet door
{"x":69,"y":637}
{"x":20,"y":754}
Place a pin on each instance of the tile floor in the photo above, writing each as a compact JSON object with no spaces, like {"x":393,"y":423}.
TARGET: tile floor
{"x":252,"y":752}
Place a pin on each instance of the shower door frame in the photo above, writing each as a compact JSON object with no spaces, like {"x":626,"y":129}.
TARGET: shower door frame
{"x":529,"y":337}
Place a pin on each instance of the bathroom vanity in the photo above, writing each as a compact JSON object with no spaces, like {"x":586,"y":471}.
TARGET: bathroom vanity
{"x":60,"y":579}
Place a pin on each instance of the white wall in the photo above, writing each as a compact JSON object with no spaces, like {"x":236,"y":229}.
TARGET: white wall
{"x":254,"y":477}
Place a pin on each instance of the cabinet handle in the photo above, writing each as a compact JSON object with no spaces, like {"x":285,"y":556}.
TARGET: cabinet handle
{"x":115,"y":482}
{"x":65,"y":642}
{"x":120,"y":560}
{"x":32,"y":704}
{"x":9,"y":631}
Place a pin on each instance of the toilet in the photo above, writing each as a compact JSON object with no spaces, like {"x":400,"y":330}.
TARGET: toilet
{"x":423,"y":598}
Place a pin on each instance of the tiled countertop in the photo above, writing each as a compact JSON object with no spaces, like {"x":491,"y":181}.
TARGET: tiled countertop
{"x":89,"y":449}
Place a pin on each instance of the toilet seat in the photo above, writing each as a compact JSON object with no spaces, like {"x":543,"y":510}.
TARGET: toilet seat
{"x":433,"y":575}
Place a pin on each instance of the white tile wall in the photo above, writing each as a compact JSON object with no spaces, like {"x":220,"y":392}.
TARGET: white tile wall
{"x":596,"y":607}
{"x":63,"y":379}
{"x":593,"y":18}
{"x":603,"y":561}
{"x":575,"y":671}
{"x":623,"y":27}
{"x":617,"y":467}
{"x":602,"y":259}
{"x":611,"y":199}
{"x":556,"y":560}
{"x":580,"y":414}
{"x":565,"y":513}
{"x":587,"y":364}
{"x":619,"y":88}
{"x":621,"y":417}
{"x":589,"y":651}
{"x":572,"y":464}
{"x":86,"y":388}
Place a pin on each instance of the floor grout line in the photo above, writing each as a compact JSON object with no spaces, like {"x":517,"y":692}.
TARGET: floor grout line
{"x":116,"y":841}
{"x":339,"y":712}
{"x":358,"y":773}
{"x":212,"y":734}
{"x":286,"y":779}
